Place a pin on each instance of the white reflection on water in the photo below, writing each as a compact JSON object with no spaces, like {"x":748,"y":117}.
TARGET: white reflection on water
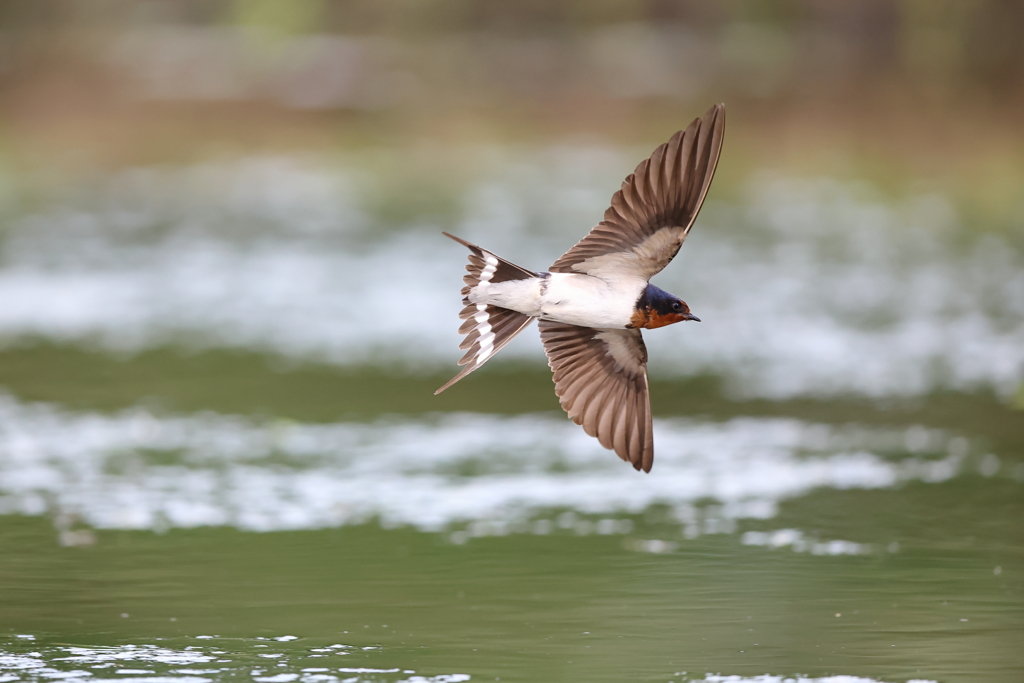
{"x":228,"y":659}
{"x":90,"y":664}
{"x":798,"y":541}
{"x":768,"y":678}
{"x":137,"y":471}
{"x":805,"y":287}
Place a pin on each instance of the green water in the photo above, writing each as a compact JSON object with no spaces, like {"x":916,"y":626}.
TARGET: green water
{"x":557,"y":608}
{"x":939,"y":595}
{"x":221,"y":457}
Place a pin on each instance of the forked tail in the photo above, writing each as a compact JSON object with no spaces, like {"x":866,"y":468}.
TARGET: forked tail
{"x":487,"y":328}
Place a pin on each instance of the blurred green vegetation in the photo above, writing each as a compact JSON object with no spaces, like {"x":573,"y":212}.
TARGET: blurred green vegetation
{"x":1018,"y":400}
{"x":913,"y":95}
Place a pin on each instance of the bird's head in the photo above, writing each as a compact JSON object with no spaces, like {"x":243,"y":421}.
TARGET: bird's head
{"x":657,"y":308}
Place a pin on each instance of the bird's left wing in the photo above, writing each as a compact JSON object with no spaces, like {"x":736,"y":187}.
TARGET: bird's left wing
{"x":650,"y":216}
{"x":601,"y":380}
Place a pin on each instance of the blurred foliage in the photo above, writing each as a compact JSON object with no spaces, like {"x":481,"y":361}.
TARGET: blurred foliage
{"x":284,"y":18}
{"x":1018,"y":400}
{"x":913,"y":95}
{"x":924,"y":44}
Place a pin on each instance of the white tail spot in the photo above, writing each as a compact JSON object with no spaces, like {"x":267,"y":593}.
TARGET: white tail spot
{"x":483,"y":326}
{"x":491,"y":265}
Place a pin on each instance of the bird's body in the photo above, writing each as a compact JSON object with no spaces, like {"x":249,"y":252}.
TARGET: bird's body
{"x":597,"y":297}
{"x":571,"y":298}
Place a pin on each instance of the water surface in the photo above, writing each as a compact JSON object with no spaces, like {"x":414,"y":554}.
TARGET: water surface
{"x":218,"y":460}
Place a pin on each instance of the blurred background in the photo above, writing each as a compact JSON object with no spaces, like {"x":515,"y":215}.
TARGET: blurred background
{"x":225,"y":303}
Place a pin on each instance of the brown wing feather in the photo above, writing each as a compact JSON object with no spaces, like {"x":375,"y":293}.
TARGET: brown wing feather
{"x":601,"y":381}
{"x":651,"y":215}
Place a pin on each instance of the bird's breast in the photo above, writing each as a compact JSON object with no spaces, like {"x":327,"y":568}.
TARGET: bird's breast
{"x":589,"y":301}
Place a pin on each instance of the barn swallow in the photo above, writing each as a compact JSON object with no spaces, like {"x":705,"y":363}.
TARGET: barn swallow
{"x":595,"y":299}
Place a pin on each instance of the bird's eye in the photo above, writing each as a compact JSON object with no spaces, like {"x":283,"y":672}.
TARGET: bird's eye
{"x":677,"y":306}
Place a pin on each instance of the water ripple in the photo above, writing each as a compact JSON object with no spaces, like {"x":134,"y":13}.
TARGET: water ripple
{"x":477,"y":474}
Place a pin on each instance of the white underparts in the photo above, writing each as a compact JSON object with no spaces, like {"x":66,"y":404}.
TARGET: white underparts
{"x":590,"y":301}
{"x":568,"y":298}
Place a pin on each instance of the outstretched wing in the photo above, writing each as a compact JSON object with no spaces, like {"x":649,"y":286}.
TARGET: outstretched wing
{"x":650,"y":216}
{"x":601,"y":380}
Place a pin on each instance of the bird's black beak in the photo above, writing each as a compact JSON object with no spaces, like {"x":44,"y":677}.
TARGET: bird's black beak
{"x":691,"y":316}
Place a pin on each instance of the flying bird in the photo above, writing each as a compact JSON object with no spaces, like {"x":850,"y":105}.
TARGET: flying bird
{"x":594,"y":300}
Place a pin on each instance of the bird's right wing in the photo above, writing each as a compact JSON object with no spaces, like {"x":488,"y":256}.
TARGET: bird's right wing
{"x":651,"y":215}
{"x":601,"y":380}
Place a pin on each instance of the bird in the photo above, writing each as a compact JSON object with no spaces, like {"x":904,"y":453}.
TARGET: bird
{"x":593,"y":301}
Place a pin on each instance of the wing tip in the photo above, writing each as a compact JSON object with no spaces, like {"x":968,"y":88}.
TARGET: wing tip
{"x":715,"y":116}
{"x":459,"y":240}
{"x":644,"y":462}
{"x":456,"y":378}
{"x":648,"y":463}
